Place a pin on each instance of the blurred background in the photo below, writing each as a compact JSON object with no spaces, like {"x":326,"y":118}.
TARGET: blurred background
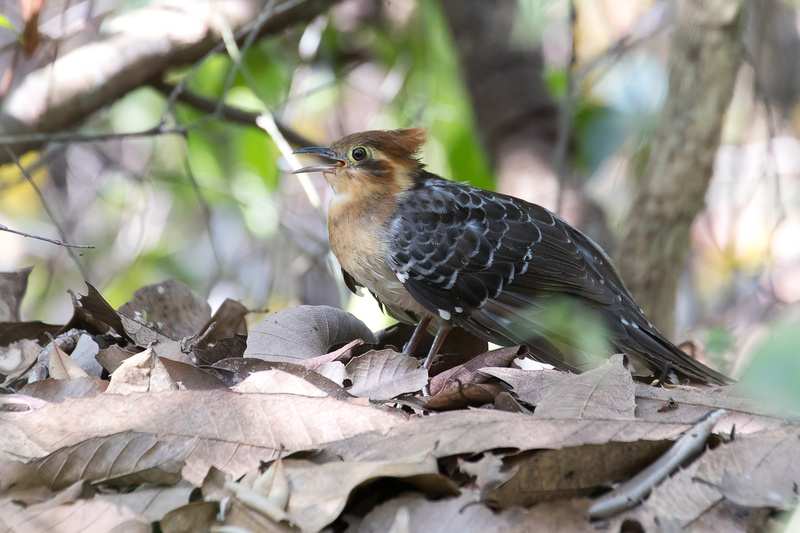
{"x":139,"y":119}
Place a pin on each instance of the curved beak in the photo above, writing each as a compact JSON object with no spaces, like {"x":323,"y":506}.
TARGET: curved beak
{"x":327,"y":153}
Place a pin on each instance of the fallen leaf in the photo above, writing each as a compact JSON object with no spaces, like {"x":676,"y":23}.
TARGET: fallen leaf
{"x":530,"y":386}
{"x":303,"y":332}
{"x":128,"y":458}
{"x":162,"y":345}
{"x":277,"y":381}
{"x":758,"y":470}
{"x":235,"y":430}
{"x":12,"y":289}
{"x":228,"y":321}
{"x":61,"y":365}
{"x":461,"y":395}
{"x":458,"y":432}
{"x":112,"y":357}
{"x":55,"y":390}
{"x":94,"y":315}
{"x":190,"y":377}
{"x":34,"y":330}
{"x":536,"y":476}
{"x":152,"y":502}
{"x":171,"y":308}
{"x":86,"y":516}
{"x":141,"y":373}
{"x":385,"y":374}
{"x":223,"y":349}
{"x":17,"y":358}
{"x":605,"y":392}
{"x":242,"y":368}
{"x":319,"y":492}
{"x":465,"y":514}
{"x":469,"y":372}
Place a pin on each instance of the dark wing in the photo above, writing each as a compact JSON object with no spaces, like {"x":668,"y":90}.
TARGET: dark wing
{"x":493,"y":263}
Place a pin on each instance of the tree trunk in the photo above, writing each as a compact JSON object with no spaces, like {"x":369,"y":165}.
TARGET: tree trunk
{"x":704,"y":58}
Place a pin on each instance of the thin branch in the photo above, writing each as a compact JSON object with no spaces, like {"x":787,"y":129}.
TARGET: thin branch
{"x":77,"y":137}
{"x":70,"y":250}
{"x":54,"y":241}
{"x":230,"y":113}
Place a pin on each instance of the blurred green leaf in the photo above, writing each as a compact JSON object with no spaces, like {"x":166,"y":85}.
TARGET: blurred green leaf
{"x":774,"y":372}
{"x":5,"y":23}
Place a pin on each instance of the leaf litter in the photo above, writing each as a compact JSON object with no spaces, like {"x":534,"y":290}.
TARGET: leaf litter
{"x":188,"y":421}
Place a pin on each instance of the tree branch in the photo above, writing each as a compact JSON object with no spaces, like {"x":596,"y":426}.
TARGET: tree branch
{"x":705,"y":55}
{"x":133,"y":49}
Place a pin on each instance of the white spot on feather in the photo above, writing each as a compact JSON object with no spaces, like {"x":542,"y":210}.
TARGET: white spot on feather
{"x":445,"y":315}
{"x":402,"y":276}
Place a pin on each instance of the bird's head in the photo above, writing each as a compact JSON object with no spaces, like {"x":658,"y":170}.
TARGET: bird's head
{"x":379,"y":161}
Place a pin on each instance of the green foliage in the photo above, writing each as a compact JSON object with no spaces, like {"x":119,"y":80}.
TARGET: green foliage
{"x":774,"y":372}
{"x":5,"y":23}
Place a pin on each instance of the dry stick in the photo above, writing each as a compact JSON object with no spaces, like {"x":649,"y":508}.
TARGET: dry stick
{"x":54,"y":241}
{"x":76,"y":137}
{"x":50,"y":213}
{"x":634,"y":491}
{"x":229,"y":113}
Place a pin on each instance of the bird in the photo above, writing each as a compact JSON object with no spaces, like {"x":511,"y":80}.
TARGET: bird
{"x":441,"y":254}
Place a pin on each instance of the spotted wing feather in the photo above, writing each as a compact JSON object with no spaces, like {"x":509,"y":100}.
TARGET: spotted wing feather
{"x":490,"y":262}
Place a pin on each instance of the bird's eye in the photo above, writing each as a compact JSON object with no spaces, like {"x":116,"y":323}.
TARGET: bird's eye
{"x":359,"y":153}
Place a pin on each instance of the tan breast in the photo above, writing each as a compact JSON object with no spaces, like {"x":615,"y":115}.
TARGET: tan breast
{"x":359,"y":239}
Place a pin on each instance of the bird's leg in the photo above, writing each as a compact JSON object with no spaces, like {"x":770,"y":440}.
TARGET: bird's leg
{"x":411,"y":345}
{"x":437,"y":344}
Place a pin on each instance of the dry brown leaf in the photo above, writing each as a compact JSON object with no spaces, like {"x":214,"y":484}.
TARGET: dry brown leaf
{"x":235,"y":430}
{"x":121,"y":459}
{"x":530,"y":386}
{"x":459,"y":432}
{"x":469,"y":371}
{"x":35,"y":330}
{"x":17,"y":358}
{"x":553,"y":517}
{"x":384,"y":374}
{"x":679,"y":405}
{"x":228,"y":321}
{"x":303,"y":332}
{"x":141,"y":373}
{"x":152,"y":502}
{"x":84,"y":516}
{"x":545,"y":475}
{"x":94,"y":315}
{"x":759,"y":470}
{"x":687,"y":405}
{"x":162,"y":345}
{"x":55,"y":390}
{"x":190,"y":377}
{"x":277,"y":381}
{"x":461,"y":395}
{"x":194,"y":516}
{"x":12,"y":289}
{"x":465,"y":514}
{"x":241,"y":368}
{"x":606,"y":392}
{"x":61,"y":365}
{"x":224,"y":349}
{"x":113,"y":356}
{"x":318,"y":493}
{"x":171,"y":308}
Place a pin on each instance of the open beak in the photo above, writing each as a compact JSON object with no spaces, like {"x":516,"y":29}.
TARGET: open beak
{"x":327,"y":153}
